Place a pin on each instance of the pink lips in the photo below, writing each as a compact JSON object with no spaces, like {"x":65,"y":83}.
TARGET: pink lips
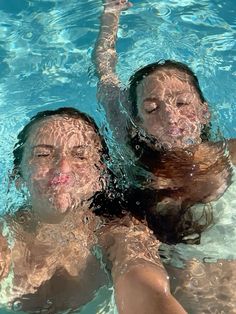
{"x":175,"y":131}
{"x":61,"y":179}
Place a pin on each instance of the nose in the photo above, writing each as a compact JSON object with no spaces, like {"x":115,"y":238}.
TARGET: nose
{"x":63,"y":164}
{"x":169,"y":113}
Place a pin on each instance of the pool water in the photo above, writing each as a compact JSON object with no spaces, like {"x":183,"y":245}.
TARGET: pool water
{"x":46,"y":50}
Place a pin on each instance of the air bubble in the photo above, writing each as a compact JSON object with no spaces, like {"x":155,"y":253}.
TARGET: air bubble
{"x":17,"y":305}
{"x":194,"y":282}
{"x":189,"y":141}
{"x":49,"y":302}
{"x":29,"y":35}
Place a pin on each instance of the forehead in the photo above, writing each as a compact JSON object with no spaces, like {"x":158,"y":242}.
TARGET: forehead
{"x":62,"y":129}
{"x":166,"y":80}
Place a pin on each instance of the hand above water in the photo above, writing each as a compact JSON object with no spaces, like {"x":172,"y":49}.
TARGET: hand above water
{"x":116,"y":5}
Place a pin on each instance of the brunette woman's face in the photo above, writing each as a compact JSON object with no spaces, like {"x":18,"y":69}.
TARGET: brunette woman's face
{"x":61,"y":164}
{"x":170,"y":109}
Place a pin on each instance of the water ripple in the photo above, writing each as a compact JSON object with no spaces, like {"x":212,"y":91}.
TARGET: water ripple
{"x":46,"y":56}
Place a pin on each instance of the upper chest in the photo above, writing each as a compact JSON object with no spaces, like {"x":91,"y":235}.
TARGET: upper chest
{"x":49,"y":247}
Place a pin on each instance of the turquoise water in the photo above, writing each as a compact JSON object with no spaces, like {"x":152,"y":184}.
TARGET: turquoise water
{"x":45,"y":53}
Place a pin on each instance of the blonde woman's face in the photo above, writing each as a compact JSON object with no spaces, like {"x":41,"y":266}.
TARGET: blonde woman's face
{"x":61,"y":164}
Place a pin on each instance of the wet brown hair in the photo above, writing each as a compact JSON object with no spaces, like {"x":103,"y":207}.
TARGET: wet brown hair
{"x":175,"y":224}
{"x":170,"y":210}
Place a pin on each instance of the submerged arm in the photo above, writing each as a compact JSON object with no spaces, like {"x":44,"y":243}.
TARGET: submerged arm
{"x":140,"y":281}
{"x":4,"y":257}
{"x":204,"y":296}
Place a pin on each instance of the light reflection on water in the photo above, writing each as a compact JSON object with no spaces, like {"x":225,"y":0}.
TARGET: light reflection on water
{"x":46,"y":50}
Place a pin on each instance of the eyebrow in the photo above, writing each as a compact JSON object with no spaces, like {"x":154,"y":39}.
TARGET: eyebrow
{"x":179,"y":93}
{"x":52,"y":146}
{"x":151,"y":99}
{"x":80,"y":146}
{"x":43,"y":146}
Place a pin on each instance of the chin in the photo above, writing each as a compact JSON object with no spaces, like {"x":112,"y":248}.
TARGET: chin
{"x":61,"y":203}
{"x":180,"y":143}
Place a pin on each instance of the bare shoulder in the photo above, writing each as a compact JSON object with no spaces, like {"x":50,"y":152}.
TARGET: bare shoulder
{"x":127,"y":227}
{"x":128,"y":242}
{"x":232,"y":150}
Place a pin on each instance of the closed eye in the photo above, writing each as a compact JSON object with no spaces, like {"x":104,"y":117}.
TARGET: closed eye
{"x":150,"y":106}
{"x":181,"y":104}
{"x":42,"y":154}
{"x":79,"y":155}
{"x":42,"y":151}
{"x":79,"y":152}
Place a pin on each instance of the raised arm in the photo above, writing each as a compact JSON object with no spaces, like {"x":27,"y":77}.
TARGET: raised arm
{"x":105,"y":53}
{"x":140,"y":281}
{"x":110,"y":94}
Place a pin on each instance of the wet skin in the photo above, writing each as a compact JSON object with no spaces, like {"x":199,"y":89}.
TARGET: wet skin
{"x":62,"y":169}
{"x":61,"y":164}
{"x":170,"y":109}
{"x":53,"y":261}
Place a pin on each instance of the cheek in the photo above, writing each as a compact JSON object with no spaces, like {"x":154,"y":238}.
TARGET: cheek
{"x":190,"y":114}
{"x":88,"y":171}
{"x":153,"y":123}
{"x":36,"y":177}
{"x":192,"y":117}
{"x":146,"y":119}
{"x":39,"y":172}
